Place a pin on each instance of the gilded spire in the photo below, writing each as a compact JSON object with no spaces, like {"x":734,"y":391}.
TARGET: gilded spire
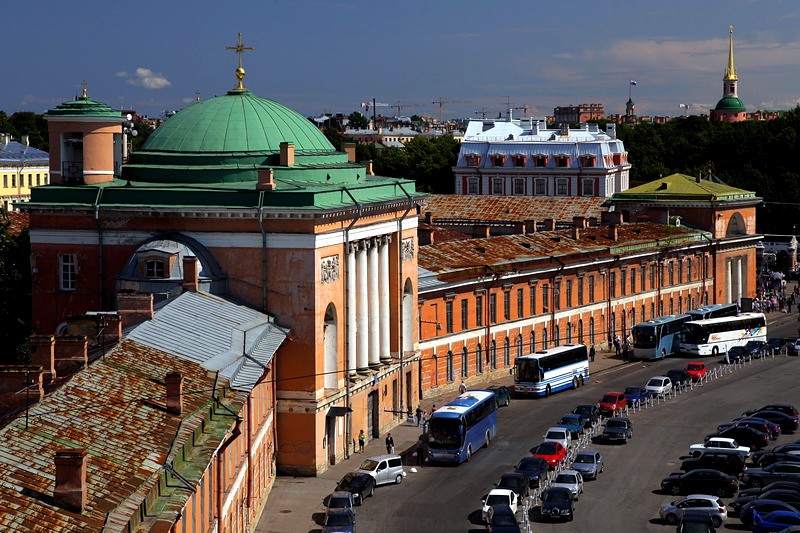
{"x":84,"y":94}
{"x":730,"y":72}
{"x":239,"y":71}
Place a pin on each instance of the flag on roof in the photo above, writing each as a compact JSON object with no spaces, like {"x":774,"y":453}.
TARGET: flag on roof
{"x":633,"y":82}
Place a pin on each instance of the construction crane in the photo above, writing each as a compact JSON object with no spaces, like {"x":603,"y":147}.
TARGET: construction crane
{"x":525,"y":108}
{"x":442,"y":101}
{"x":686,"y":108}
{"x":373,"y":104}
{"x":482,"y":112}
{"x":398,"y":106}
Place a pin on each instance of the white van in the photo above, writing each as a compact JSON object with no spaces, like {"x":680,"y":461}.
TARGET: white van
{"x":384,"y":468}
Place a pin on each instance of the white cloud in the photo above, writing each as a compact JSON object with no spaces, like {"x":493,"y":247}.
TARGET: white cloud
{"x":146,"y":78}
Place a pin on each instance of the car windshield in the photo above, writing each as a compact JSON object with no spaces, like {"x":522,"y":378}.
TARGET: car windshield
{"x":546,"y":448}
{"x":694,"y":367}
{"x":694,"y":527}
{"x":632,"y":390}
{"x":555,"y":435}
{"x":338,"y":502}
{"x":531,"y":463}
{"x":585,"y":458}
{"x":510,"y":481}
{"x":504,"y":520}
{"x":569,"y":420}
{"x":616,"y":423}
{"x":369,"y":464}
{"x":338,"y":519}
{"x":655,"y":382}
{"x":608,"y":399}
{"x":556,"y":496}
{"x":566,"y":478}
{"x":497,"y":499}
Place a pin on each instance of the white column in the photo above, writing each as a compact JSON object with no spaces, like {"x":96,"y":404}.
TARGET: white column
{"x":739,"y":290}
{"x":374,"y":304}
{"x":362,"y":309}
{"x":383,"y":296}
{"x":728,"y":276}
{"x":350,"y":265}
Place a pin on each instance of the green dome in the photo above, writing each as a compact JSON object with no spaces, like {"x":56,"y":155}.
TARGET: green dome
{"x":730,"y":103}
{"x":84,"y":107}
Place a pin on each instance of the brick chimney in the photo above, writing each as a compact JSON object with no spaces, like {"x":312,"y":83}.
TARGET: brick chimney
{"x":530,"y":226}
{"x":191,"y":274}
{"x":18,"y":384}
{"x":549,"y":224}
{"x":580,"y":222}
{"x":481,"y":231}
{"x":134,"y":307}
{"x":70,"y":492}
{"x":174,"y":381}
{"x":287,"y":154}
{"x":613,"y":232}
{"x":368,"y":166}
{"x":428,"y":217}
{"x":43,"y":354}
{"x":266,"y":179}
{"x":71,"y":353}
{"x":350,"y":150}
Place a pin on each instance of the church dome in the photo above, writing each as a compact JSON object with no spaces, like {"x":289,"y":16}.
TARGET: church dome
{"x":730,"y":103}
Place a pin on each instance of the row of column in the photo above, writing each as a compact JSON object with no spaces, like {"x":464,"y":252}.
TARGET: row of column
{"x":367,"y":303}
{"x":734,"y":279}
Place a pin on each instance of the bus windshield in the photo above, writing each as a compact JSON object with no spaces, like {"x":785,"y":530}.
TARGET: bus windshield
{"x":445,"y":433}
{"x":528,"y":370}
{"x":646,"y":336}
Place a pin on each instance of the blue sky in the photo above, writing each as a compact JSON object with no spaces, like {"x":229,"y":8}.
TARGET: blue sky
{"x":330,"y":56}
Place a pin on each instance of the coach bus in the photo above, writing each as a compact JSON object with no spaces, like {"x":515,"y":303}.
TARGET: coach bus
{"x":659,"y":337}
{"x":545,"y":372}
{"x":457,"y":429}
{"x":714,"y":311}
{"x":716,"y":336}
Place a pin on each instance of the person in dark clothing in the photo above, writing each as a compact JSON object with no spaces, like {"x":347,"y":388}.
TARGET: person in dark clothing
{"x":419,"y":415}
{"x":389,"y":443}
{"x":591,"y":353}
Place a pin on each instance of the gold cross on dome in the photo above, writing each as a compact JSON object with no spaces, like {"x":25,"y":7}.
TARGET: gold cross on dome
{"x":239,"y":48}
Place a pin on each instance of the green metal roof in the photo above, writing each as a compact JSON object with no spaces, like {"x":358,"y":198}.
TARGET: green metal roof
{"x":729,"y":103}
{"x":83,"y":107}
{"x":683,"y":188}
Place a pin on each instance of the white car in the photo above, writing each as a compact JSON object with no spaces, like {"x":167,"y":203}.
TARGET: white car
{"x":658,"y":386}
{"x":570,"y":479}
{"x":498,"y":497}
{"x":720,"y":444}
{"x":559,"y":434}
{"x":672,"y":512}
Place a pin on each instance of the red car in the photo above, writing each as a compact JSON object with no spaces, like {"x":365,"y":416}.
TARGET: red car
{"x":697,"y":370}
{"x":552,"y":452}
{"x":612,"y":403}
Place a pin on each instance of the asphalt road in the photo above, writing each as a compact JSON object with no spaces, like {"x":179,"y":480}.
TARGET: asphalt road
{"x":626,"y":497}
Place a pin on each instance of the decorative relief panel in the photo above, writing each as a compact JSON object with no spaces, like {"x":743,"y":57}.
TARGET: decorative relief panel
{"x":407,"y":249}
{"x":329,"y":269}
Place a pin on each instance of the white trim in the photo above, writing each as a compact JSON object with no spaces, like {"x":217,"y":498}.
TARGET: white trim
{"x":234,"y":490}
{"x":97,"y":172}
{"x":261,"y":432}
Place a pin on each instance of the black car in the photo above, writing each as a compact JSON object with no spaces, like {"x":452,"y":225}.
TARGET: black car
{"x":776,"y":344}
{"x":589,"y":412}
{"x":519,"y":483}
{"x":618,"y":429}
{"x":770,"y":458}
{"x":357,"y":484}
{"x":729,"y":463}
{"x":756,"y":348}
{"x":557,"y":502}
{"x":501,"y":393}
{"x":736,"y":354}
{"x":535,"y":468}
{"x":755,"y":491}
{"x":700,"y":481}
{"x":781,"y":448}
{"x":788,"y":423}
{"x":780,"y":407}
{"x":758,"y":477}
{"x":783,"y":495}
{"x":503,"y":520}
{"x":696,"y":522}
{"x":679,"y":377}
{"x":744,"y":436}
{"x":763,"y":507}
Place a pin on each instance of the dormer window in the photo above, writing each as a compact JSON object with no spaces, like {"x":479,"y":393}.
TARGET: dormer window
{"x":562,"y":161}
{"x":498,"y":160}
{"x":520,"y":160}
{"x":588,"y":161}
{"x":154,"y":268}
{"x":540,"y":161}
{"x":473,"y":160}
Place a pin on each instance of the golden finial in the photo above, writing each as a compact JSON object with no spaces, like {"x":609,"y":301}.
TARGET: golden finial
{"x":84,"y":94}
{"x":730,"y":72}
{"x":239,"y":71}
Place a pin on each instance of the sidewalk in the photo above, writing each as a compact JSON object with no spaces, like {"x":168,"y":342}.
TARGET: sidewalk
{"x":295,"y":502}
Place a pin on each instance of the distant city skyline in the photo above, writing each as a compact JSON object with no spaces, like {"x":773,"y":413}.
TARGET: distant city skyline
{"x":328,"y":57}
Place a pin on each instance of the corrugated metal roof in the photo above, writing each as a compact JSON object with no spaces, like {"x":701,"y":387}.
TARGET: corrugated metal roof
{"x":18,"y":152}
{"x":446,"y":208}
{"x":682,"y":188}
{"x":219,"y":335}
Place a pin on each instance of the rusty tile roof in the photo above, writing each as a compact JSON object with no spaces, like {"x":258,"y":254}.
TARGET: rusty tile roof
{"x":475,"y":254}
{"x":17,"y":221}
{"x":481,"y":208}
{"x":114,"y":410}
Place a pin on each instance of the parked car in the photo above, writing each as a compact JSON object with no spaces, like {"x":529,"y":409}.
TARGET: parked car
{"x":773,"y":428}
{"x":340,"y":499}
{"x":589,"y":463}
{"x":339,"y":521}
{"x":776,"y":457}
{"x":557,"y":502}
{"x":679,"y":377}
{"x":720,"y":444}
{"x":574,"y":423}
{"x":776,"y":345}
{"x":672,"y":512}
{"x":658,"y":385}
{"x":501,"y":393}
{"x":780,"y":407}
{"x":519,"y":483}
{"x":774,"y":521}
{"x":736,"y":354}
{"x":559,"y":434}
{"x":729,"y":463}
{"x":696,"y":370}
{"x":792,"y":497}
{"x":781,"y":448}
{"x":617,"y":429}
{"x":358,"y":484}
{"x":787,"y":422}
{"x":498,"y":497}
{"x":696,"y":522}
{"x":755,"y":491}
{"x":756,"y":349}
{"x":534,"y":467}
{"x":758,"y":477}
{"x":636,"y":395}
{"x":759,"y":425}
{"x":384,"y":468}
{"x":503,"y":520}
{"x":570,"y":479}
{"x":700,"y":481}
{"x":552,"y":452}
{"x":793,"y":348}
{"x":590,"y":413}
{"x":763,"y":507}
{"x":744,"y":435}
{"x":612,"y":403}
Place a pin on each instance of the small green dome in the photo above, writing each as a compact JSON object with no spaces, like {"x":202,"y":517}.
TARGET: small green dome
{"x":730,"y":103}
{"x":83,"y":107}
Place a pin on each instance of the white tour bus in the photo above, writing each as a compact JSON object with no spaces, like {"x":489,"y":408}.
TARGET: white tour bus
{"x":716,"y":336}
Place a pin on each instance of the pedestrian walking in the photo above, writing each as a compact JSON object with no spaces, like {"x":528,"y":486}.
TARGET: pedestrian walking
{"x":389,"y":443}
{"x":362,"y":440}
{"x":617,"y":344}
{"x":462,"y":388}
{"x":419,"y":415}
{"x":591,"y":353}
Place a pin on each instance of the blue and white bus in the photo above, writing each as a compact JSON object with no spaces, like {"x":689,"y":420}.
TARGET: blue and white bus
{"x":714,"y":311}
{"x":545,"y":372}
{"x":659,"y":337}
{"x":457,"y":429}
{"x":716,"y":336}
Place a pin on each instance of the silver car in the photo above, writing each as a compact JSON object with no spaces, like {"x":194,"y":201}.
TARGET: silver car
{"x":589,"y":463}
{"x":570,"y":479}
{"x":672,"y":512}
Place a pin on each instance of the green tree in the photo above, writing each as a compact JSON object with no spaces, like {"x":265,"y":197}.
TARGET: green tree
{"x":143,"y":131}
{"x":335,"y":137}
{"x":15,"y":293}
{"x":358,"y":121}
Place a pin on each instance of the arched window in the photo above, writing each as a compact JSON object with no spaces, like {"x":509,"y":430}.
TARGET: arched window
{"x":633,"y":316}
{"x":507,"y":352}
{"x":464,"y":363}
{"x":408,"y":316}
{"x":449,"y":366}
{"x":519,"y":346}
{"x":478,"y":360}
{"x":591,"y":330}
{"x":580,"y":331}
{"x":680,"y":304}
{"x":330,"y":343}
{"x":544,"y":338}
{"x":533,"y":341}
{"x":569,"y":332}
{"x":556,"y":336}
{"x":493,"y":355}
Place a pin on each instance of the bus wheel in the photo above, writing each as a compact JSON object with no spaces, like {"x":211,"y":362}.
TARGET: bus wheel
{"x":715,"y":351}
{"x":574,"y":383}
{"x":488,"y":438}
{"x":663,"y":353}
{"x":547,"y":391}
{"x":469,"y":452}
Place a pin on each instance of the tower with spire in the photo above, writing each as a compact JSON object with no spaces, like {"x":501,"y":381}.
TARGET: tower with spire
{"x":730,"y":108}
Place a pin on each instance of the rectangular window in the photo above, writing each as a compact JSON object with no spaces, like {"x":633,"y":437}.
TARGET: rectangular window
{"x":533,"y":300}
{"x":591,"y":289}
{"x":68,"y":272}
{"x":464,"y":314}
{"x":587,"y":187}
{"x":497,"y":186}
{"x":154,"y":268}
{"x":479,"y":311}
{"x":21,"y":180}
{"x":448,"y":308}
{"x":633,"y":281}
{"x":519,"y":186}
{"x":472,"y":185}
{"x":38,"y":179}
{"x":545,"y":298}
{"x":569,"y":294}
{"x":540,"y":187}
{"x":671,"y":270}
{"x":580,"y":291}
{"x":557,"y":295}
{"x":689,"y":268}
{"x":641,"y":279}
{"x":5,"y":180}
{"x":652,"y":277}
{"x":506,"y":305}
{"x":680,"y":271}
{"x":562,"y":187}
{"x":493,"y":308}
{"x":623,"y":281}
{"x":13,"y":180}
{"x":520,"y":304}
{"x":612,"y":284}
